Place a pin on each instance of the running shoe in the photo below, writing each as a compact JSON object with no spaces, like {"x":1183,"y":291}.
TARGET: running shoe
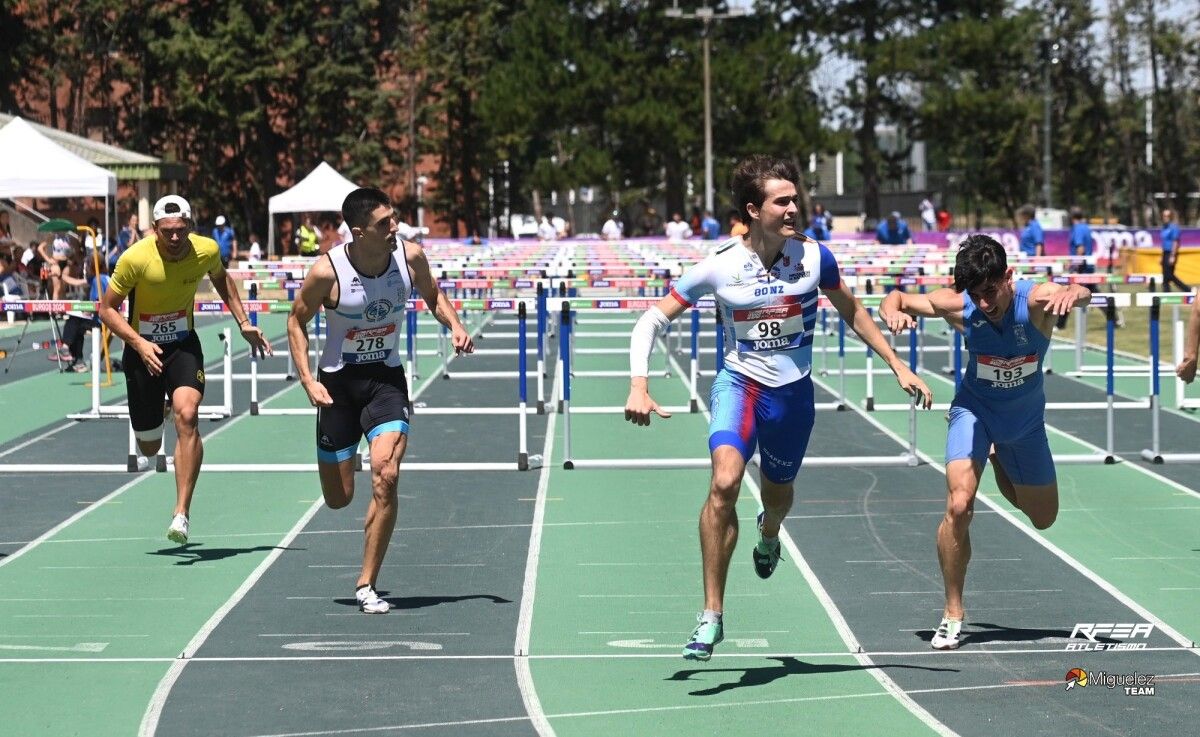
{"x":948,"y":635}
{"x":79,"y":367}
{"x":369,"y":601}
{"x":178,"y":531}
{"x":704,"y":638}
{"x":766,"y":556}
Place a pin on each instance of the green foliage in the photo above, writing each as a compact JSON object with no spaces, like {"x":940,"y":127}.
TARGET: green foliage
{"x":534,"y":96}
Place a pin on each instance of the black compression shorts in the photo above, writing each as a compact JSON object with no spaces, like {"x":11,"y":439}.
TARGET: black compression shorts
{"x":371,"y":399}
{"x":183,"y":365}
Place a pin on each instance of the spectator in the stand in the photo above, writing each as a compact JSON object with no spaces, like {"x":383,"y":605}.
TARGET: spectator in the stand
{"x":1170,"y":252}
{"x":226,"y":239}
{"x":697,"y":222}
{"x":56,"y":251}
{"x":5,"y":227}
{"x":612,"y":229}
{"x":546,"y":230}
{"x":1033,"y":240}
{"x":677,"y":229}
{"x":307,"y":239}
{"x":819,"y":227}
{"x":893,"y":231}
{"x":561,"y":228}
{"x":254,"y":254}
{"x":1081,"y":244}
{"x":710,"y":226}
{"x":81,"y":273}
{"x":928,"y":214}
{"x":943,"y":220}
{"x":736,"y":226}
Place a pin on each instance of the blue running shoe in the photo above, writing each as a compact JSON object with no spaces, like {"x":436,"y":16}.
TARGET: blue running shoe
{"x":766,"y":557}
{"x":704,"y":638}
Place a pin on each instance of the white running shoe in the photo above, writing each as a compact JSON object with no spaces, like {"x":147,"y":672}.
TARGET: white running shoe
{"x":178,"y":531}
{"x":948,"y":635}
{"x":369,"y":601}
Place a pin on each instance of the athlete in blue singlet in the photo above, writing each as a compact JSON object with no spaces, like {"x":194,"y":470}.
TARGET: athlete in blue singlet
{"x":999,"y":411}
{"x":767,"y":285}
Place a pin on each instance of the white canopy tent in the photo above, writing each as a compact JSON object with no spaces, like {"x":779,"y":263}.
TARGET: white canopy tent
{"x":35,"y":166}
{"x":323,"y":190}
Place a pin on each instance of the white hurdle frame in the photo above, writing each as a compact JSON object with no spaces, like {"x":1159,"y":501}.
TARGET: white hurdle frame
{"x":207,"y":412}
{"x":1154,"y":453}
{"x":908,"y":458}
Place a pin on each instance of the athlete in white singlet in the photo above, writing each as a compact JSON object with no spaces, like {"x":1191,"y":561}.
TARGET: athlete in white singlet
{"x":766,"y":284}
{"x":364,"y":286}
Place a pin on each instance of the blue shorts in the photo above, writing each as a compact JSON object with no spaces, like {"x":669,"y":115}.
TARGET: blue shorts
{"x":1020,"y":440}
{"x":779,"y":420}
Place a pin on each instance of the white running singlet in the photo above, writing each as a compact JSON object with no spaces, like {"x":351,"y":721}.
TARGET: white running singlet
{"x":768,"y":314}
{"x":365,"y":325}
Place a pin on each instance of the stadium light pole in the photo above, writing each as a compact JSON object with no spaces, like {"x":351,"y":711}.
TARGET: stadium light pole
{"x":706,"y":16}
{"x":1050,"y":52}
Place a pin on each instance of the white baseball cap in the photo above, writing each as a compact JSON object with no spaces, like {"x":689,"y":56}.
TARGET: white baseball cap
{"x":172,"y":206}
{"x":220,"y":220}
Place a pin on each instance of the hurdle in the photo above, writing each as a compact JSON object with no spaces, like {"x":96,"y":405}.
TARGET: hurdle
{"x":1154,"y":453}
{"x":418,"y":409}
{"x":206,"y":412}
{"x":908,"y":458}
{"x":1109,"y":405}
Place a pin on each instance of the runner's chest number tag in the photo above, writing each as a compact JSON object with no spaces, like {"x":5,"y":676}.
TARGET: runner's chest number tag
{"x":1002,"y":371}
{"x":365,"y":345}
{"x":773,"y":328}
{"x":164,"y":328}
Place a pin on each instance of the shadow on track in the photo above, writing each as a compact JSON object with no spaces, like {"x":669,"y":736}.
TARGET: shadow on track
{"x":788,"y":666}
{"x":193,"y":553}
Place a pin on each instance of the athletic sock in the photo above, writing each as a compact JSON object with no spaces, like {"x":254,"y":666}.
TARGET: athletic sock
{"x":711,"y":616}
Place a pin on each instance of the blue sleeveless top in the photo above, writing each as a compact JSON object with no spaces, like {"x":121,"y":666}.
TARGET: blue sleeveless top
{"x":1005,"y":360}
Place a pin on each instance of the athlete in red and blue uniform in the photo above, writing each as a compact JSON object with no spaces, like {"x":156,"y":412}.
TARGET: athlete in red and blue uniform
{"x":1001,"y":404}
{"x":766,"y":284}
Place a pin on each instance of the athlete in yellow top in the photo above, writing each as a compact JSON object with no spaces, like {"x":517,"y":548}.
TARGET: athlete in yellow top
{"x":162,"y":357}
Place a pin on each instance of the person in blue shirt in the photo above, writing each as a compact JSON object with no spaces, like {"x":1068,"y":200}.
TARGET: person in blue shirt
{"x":1033,"y":240}
{"x":710,"y":226}
{"x":226,"y":238}
{"x":997,"y":415}
{"x":820,"y":226}
{"x":1170,"y":252}
{"x":893,"y":231}
{"x":1081,"y":243}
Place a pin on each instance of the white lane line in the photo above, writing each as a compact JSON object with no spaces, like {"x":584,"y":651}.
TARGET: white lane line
{"x":121,"y":490}
{"x":831,"y":610}
{"x":371,"y":635}
{"x":1091,"y":575}
{"x":724,"y":655}
{"x":525,"y":684}
{"x":675,"y":632}
{"x":671,"y":596}
{"x":932,"y":560}
{"x":37,"y":438}
{"x":212,"y":365}
{"x":967,"y":593}
{"x":682,"y":708}
{"x":105,"y":598}
{"x":357,"y":566}
{"x":149,"y":723}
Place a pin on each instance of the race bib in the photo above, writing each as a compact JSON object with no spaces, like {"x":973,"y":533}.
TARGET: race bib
{"x":367,"y":345}
{"x":165,"y":328}
{"x":773,"y":328}
{"x":1005,"y":373}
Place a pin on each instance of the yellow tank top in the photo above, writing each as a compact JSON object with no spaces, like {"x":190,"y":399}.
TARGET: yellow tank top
{"x":163,"y":292}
